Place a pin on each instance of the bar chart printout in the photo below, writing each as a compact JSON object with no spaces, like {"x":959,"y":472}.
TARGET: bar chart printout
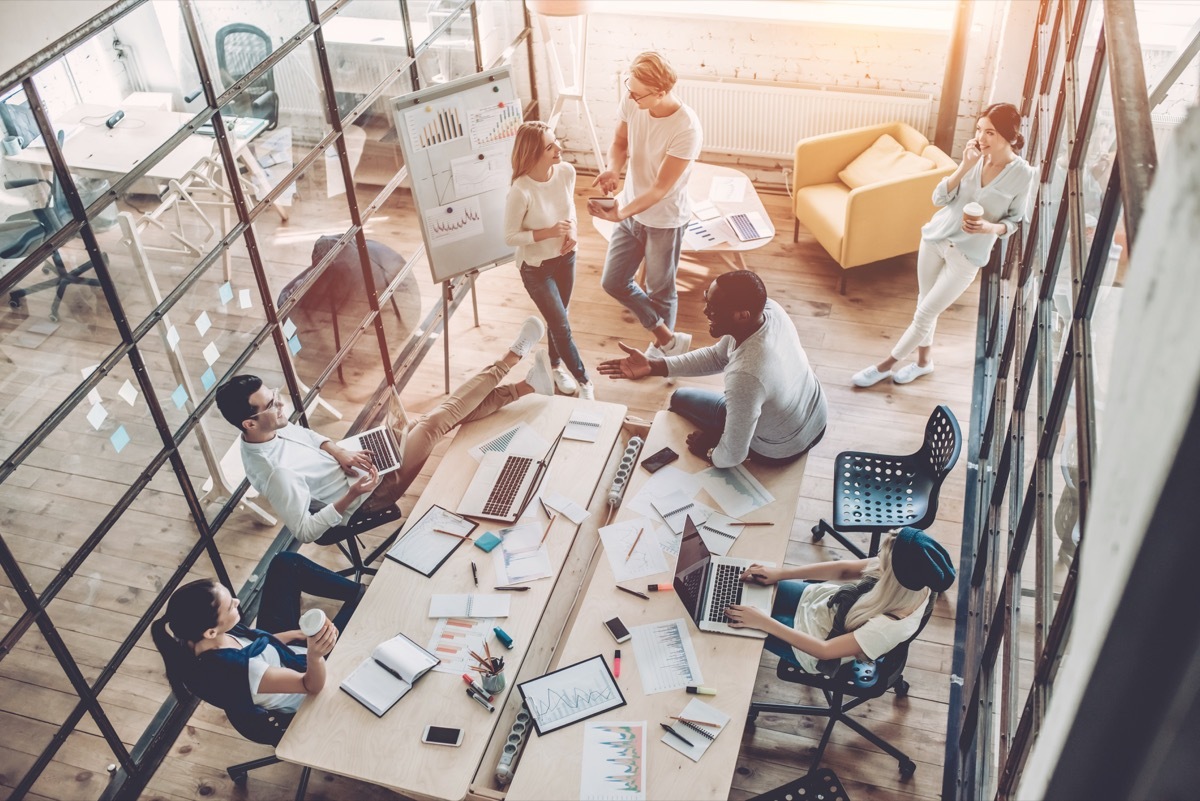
{"x":434,"y":124}
{"x":453,"y":640}
{"x":493,"y":123}
{"x":666,"y":658}
{"x":614,"y":761}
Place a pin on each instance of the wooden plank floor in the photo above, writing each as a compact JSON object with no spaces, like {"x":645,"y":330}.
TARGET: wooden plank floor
{"x":840,"y":333}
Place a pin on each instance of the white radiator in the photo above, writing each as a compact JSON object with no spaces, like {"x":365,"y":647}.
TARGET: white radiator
{"x":765,"y":119}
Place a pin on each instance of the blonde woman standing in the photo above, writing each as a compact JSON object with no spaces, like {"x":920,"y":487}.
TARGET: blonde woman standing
{"x":540,"y":222}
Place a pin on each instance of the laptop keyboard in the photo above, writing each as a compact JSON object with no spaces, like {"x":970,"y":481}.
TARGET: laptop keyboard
{"x":726,"y":590}
{"x":381,"y":452}
{"x":745,"y":228}
{"x":504,"y":491}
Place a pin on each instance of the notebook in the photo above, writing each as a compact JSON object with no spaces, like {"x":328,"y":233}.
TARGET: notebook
{"x":386,"y":453}
{"x":472,"y":605}
{"x":388,"y":674}
{"x":699,"y":735}
{"x":583,"y":426}
{"x":706,"y":584}
{"x":676,"y":508}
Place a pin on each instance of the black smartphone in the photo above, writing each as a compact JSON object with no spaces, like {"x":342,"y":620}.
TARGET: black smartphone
{"x":659,"y":460}
{"x":617,"y":629}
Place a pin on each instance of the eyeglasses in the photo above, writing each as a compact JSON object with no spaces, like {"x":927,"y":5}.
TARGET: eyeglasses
{"x":636,"y":98}
{"x":275,"y":404}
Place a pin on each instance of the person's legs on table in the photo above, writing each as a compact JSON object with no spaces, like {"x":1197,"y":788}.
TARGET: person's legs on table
{"x":290,"y":574}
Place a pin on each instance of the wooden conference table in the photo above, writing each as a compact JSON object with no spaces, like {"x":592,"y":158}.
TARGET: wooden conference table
{"x":700,"y":184}
{"x":335,"y":733}
{"x":550,"y":766}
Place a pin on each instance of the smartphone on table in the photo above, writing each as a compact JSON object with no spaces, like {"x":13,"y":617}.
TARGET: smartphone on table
{"x":659,"y":460}
{"x":617,"y":629}
{"x":442,"y":735}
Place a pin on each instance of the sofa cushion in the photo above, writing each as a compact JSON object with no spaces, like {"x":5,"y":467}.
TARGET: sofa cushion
{"x":882,"y":161}
{"x":822,"y":210}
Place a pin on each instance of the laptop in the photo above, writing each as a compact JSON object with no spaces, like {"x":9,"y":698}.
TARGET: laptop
{"x":504,"y":483}
{"x":750,"y":226}
{"x":707,"y":584}
{"x":386,"y":453}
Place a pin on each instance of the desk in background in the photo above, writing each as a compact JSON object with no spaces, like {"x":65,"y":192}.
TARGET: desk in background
{"x":335,"y":733}
{"x":550,"y":766}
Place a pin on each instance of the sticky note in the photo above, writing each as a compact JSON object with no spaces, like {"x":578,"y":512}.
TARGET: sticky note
{"x":225,"y":292}
{"x":119,"y":439}
{"x":89,"y":370}
{"x":294,"y":345}
{"x":94,"y":396}
{"x":128,"y":392}
{"x":203,"y":323}
{"x":487,"y":542}
{"x":180,"y":396}
{"x":172,"y":337}
{"x":211,"y":354}
{"x":244,"y":298}
{"x":208,"y":379}
{"x":289,"y":328}
{"x":96,"y":416}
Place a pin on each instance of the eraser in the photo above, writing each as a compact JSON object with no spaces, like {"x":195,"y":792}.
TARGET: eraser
{"x":487,"y":542}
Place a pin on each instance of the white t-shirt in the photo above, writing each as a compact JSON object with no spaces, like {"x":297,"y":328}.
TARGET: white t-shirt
{"x":257,"y":667}
{"x":652,"y":139}
{"x":538,"y":204}
{"x":875,"y":638}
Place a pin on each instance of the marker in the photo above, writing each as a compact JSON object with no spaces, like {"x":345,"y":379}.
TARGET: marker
{"x":471,"y":683}
{"x":475,"y":574}
{"x":503,"y":637}
{"x":617,"y":663}
{"x":695,"y":689}
{"x":664,"y":587}
{"x":686,"y":741}
{"x":512,"y":589}
{"x":641,"y":595}
{"x":479,"y":699}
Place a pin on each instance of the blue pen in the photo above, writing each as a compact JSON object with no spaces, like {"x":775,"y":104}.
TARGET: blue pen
{"x":503,"y":637}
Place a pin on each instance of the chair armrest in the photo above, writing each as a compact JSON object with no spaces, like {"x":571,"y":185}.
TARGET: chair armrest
{"x":820,"y":158}
{"x":267,"y":100}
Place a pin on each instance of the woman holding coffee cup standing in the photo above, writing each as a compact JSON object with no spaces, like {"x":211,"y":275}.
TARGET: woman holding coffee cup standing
{"x":982,"y":200}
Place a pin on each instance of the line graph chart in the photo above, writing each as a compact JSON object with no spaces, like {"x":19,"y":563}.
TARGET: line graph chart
{"x":571,"y":694}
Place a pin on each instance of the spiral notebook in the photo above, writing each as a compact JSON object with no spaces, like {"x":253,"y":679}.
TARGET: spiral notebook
{"x":694,"y":731}
{"x":677,"y":507}
{"x":472,"y":605}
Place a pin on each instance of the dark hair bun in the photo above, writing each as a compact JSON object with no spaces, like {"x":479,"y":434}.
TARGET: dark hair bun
{"x":1006,"y":119}
{"x":1019,"y":143}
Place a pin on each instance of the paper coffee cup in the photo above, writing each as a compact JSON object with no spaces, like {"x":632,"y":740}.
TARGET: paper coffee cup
{"x":312,"y":621}
{"x":972,"y":212}
{"x":11,"y":145}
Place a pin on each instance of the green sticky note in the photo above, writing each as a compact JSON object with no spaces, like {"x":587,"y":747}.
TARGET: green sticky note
{"x":487,"y":542}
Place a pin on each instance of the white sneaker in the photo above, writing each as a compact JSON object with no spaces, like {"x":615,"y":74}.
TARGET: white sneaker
{"x":563,"y":379}
{"x":530,"y":334}
{"x":587,"y":391}
{"x":540,"y":376}
{"x":680,"y":344}
{"x":911,"y":372}
{"x":869,"y":376}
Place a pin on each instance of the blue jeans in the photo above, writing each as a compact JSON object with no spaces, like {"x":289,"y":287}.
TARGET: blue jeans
{"x":787,"y":595}
{"x":290,"y":574}
{"x":631,"y":242}
{"x":705,"y":409}
{"x":550,"y":285}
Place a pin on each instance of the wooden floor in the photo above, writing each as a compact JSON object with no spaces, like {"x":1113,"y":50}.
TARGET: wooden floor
{"x":840,"y":333}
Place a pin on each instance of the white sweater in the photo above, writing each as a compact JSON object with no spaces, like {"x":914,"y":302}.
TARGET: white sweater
{"x":538,"y":204}
{"x":773,"y":400}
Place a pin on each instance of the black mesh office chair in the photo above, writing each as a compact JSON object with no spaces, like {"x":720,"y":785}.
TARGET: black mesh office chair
{"x":24,"y":231}
{"x":819,"y":784}
{"x":877,"y":492}
{"x":265,"y":726}
{"x":346,"y":539}
{"x":241,"y":48}
{"x":848,"y":683}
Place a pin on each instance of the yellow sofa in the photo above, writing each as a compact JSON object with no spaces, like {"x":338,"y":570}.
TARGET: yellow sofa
{"x":872,"y":222}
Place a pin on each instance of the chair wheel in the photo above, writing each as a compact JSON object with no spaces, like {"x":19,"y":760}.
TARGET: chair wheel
{"x":907,"y":769}
{"x":14,"y":303}
{"x":901,"y":688}
{"x":240,"y":778}
{"x":818,"y":533}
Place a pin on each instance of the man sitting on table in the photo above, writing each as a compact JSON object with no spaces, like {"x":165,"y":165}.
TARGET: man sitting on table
{"x":772,"y":410}
{"x":315,"y":485}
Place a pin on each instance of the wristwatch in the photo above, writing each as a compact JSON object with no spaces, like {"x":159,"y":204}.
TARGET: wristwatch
{"x":708,"y":454}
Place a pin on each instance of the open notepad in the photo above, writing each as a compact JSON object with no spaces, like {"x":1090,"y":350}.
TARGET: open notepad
{"x":694,"y":731}
{"x":388,"y":674}
{"x":473,"y":605}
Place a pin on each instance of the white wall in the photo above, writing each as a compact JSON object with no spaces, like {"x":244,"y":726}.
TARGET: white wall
{"x":27,"y":26}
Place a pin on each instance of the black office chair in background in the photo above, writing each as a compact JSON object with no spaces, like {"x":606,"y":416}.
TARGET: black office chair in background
{"x":819,"y":784}
{"x":848,"y":683}
{"x":265,"y":726}
{"x":878,"y":492}
{"x":241,"y":48}
{"x":346,"y":539}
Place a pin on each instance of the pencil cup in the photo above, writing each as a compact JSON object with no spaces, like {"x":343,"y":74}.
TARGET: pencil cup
{"x":492,"y":683}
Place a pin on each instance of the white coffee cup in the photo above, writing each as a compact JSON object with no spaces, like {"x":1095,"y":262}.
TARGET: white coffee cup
{"x":972,"y":212}
{"x":312,"y":622}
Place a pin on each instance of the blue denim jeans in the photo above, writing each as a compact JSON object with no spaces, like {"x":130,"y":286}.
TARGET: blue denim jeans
{"x":787,"y":595}
{"x":631,"y":242}
{"x":550,"y":285}
{"x":705,"y":409}
{"x":290,"y":574}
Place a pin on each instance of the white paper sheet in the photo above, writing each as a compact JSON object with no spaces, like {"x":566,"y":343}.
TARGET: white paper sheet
{"x":737,"y":492}
{"x":422,"y":547}
{"x":453,"y":640}
{"x":666,"y":481}
{"x":565,"y":506}
{"x":728,"y":189}
{"x":614,"y":761}
{"x":666,"y":658}
{"x":646,"y":559}
{"x":522,"y":556}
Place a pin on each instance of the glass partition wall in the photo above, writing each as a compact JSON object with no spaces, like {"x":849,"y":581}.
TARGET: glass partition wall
{"x":1048,"y":308}
{"x":150,"y":256}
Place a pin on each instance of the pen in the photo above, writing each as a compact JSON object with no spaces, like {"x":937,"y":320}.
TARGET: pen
{"x":479,"y":699}
{"x":545,"y":508}
{"x":692,"y":720}
{"x":452,"y":534}
{"x":511,"y":589}
{"x":634,"y":592}
{"x":475,"y":574}
{"x":635,"y":542}
{"x":548,"y":525}
{"x":617,"y":664}
{"x":686,"y":741}
{"x":759,"y":523}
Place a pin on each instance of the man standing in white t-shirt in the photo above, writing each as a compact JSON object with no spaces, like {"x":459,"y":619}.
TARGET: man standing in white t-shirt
{"x":658,"y":138}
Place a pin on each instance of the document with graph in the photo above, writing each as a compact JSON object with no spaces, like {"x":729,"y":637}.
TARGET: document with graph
{"x":633,"y":549}
{"x":571,"y":694}
{"x":614,"y":761}
{"x":665,"y":656}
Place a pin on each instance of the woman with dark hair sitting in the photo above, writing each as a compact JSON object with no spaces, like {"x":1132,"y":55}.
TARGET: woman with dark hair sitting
{"x":210,"y":653}
{"x":824,"y":618}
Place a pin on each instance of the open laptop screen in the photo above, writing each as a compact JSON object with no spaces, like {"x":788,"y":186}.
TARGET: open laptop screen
{"x":691,"y":570}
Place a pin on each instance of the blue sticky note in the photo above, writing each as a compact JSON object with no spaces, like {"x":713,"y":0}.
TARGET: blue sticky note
{"x":208,"y":379}
{"x":294,"y":345}
{"x":119,"y":439}
{"x":225,"y":291}
{"x":487,"y":542}
{"x":180,"y":396}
